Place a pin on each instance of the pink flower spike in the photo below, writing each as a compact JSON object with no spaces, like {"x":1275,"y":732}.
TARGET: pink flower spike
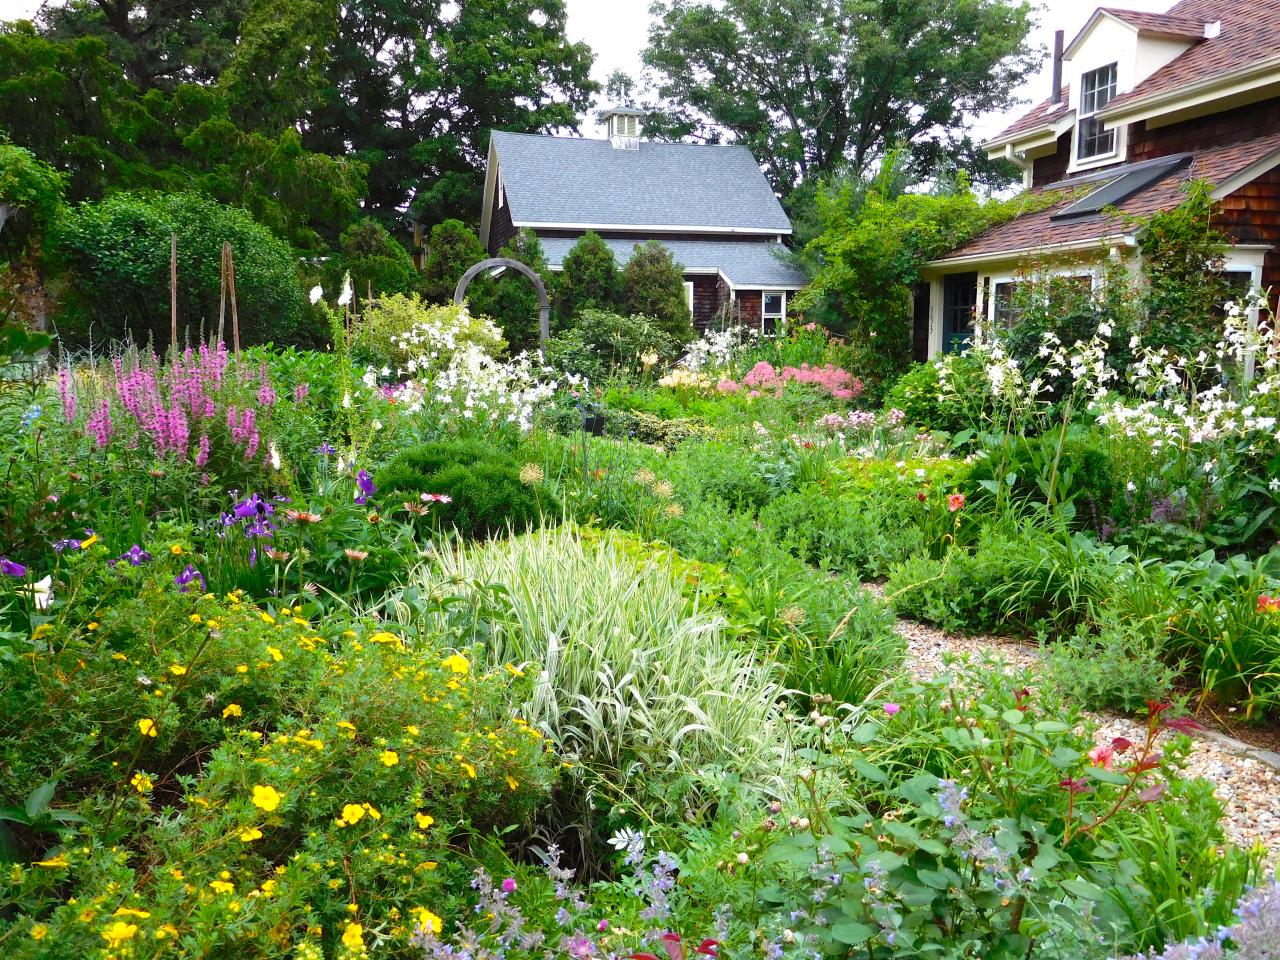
{"x":891,"y":708}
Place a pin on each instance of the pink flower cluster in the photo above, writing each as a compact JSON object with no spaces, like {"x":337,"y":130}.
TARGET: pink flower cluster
{"x":851,"y":422}
{"x":171,"y":402}
{"x":765,"y":377}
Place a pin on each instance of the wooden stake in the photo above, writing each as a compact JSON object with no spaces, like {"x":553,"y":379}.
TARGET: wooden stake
{"x":173,"y":292}
{"x":222,"y":294}
{"x":235,"y":313}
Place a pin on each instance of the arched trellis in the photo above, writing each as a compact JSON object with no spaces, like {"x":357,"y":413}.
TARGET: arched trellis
{"x":544,"y":304}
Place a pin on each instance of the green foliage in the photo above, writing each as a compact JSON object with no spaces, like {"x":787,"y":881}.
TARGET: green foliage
{"x":811,"y":88}
{"x":513,"y":301}
{"x":653,"y":286}
{"x":588,"y":279}
{"x":1121,"y":667}
{"x":31,"y":194}
{"x":118,"y":250}
{"x":1182,"y":258}
{"x":452,"y":249}
{"x":374,"y":260}
{"x":918,"y":394}
{"x":487,"y":494}
{"x":387,"y":323}
{"x":1082,"y":461}
{"x":596,"y":344}
{"x":874,"y":239}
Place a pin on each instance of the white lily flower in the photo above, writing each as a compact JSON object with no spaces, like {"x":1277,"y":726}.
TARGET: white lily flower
{"x":317,"y":292}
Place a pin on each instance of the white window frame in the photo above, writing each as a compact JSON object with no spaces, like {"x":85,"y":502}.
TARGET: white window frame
{"x":502,"y":194}
{"x":626,"y":125}
{"x":988,"y":309}
{"x":688,"y":294}
{"x":780,"y":318}
{"x":1119,"y":141}
{"x":1247,"y":259}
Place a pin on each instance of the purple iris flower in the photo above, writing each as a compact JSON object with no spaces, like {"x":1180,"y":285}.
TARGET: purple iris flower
{"x":260,"y":528}
{"x":326,"y":449}
{"x":135,"y":555}
{"x":364,"y":487}
{"x":12,"y":569}
{"x":70,"y":543}
{"x":189,"y":576}
{"x":252,"y":506}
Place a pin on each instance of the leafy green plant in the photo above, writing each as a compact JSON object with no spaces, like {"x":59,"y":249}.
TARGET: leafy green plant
{"x":1120,"y":667}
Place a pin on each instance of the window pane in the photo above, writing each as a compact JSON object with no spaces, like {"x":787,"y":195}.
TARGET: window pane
{"x":1095,"y":139}
{"x":773,"y":304}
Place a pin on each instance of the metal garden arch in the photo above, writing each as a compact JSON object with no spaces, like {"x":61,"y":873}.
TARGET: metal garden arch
{"x":544,"y":304}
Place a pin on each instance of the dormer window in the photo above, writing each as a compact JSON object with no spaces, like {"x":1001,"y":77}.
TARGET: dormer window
{"x":624,"y":125}
{"x":1097,"y":87}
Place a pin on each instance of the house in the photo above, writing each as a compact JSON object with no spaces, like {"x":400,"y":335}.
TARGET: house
{"x":1140,"y":103}
{"x":711,"y":206}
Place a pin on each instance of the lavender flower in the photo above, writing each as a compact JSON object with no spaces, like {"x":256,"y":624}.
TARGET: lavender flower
{"x":187,"y":577}
{"x":135,"y":555}
{"x":364,"y":487}
{"x":69,"y":543}
{"x":11,"y":568}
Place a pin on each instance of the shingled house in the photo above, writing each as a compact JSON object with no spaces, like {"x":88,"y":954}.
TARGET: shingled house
{"x":1140,"y":104}
{"x":711,"y":206}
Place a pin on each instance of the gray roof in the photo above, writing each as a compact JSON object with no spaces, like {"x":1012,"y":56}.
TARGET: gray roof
{"x":569,"y":180}
{"x":748,"y":265}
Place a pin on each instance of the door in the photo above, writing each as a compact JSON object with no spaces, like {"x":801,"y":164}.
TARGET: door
{"x":959,"y":302}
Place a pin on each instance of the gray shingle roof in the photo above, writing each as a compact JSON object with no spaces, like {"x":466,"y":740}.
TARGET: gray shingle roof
{"x":748,"y":265}
{"x":568,"y":180}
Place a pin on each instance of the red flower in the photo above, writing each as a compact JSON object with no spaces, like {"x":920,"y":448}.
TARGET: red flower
{"x":1268,"y":604}
{"x":1100,"y":756}
{"x":955,"y":502}
{"x":921,"y":496}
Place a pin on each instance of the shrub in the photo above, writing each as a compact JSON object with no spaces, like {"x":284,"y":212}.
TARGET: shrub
{"x":918,"y":394}
{"x":588,"y":279}
{"x":653,"y":286}
{"x":202,"y":770}
{"x":1085,"y":473}
{"x":1121,"y":667}
{"x":487,"y":495}
{"x":596,"y":344}
{"x":452,"y":249}
{"x":375,"y":261}
{"x":391,"y":330}
{"x":118,"y":250}
{"x":31,"y":192}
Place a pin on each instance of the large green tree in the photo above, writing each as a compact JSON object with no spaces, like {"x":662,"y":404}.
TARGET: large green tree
{"x":813,"y":86}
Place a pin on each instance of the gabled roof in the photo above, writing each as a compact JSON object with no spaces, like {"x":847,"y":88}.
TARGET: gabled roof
{"x":746,"y":264}
{"x":674,"y":187}
{"x":1249,"y":36}
{"x":1040,"y":117}
{"x":1159,"y":24}
{"x":1046,"y":230}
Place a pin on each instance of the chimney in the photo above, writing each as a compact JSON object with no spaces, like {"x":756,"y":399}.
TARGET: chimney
{"x":1057,"y":67}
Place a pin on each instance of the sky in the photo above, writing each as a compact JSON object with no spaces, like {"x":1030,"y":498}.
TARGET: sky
{"x":617,"y":31}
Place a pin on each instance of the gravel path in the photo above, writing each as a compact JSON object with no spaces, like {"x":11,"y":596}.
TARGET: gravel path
{"x":1247,"y":785}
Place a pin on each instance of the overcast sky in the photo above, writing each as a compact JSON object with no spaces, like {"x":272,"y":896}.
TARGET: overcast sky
{"x":617,"y":30}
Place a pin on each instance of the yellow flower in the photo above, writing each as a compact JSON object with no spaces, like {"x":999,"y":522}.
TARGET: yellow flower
{"x":242,"y":668}
{"x":424,"y":820}
{"x":352,"y":814}
{"x":39,"y":931}
{"x":232,"y":710}
{"x":250,"y":835}
{"x":91,"y":626}
{"x":118,"y":933}
{"x":470,"y":770}
{"x":276,"y":655}
{"x":389,"y":758}
{"x":120,"y":656}
{"x":43,"y":630}
{"x":266,"y":617}
{"x":372,"y":811}
{"x":177,"y":670}
{"x":512,"y":782}
{"x":222,"y":886}
{"x":86,"y":544}
{"x":382,"y":636}
{"x":457,"y":663}
{"x":266,"y":798}
{"x":130,"y":912}
{"x":176,"y":549}
{"x":148,"y":727}
{"x":513,"y":670}
{"x":454,"y":685}
{"x":167,"y":931}
{"x":352,"y":937}
{"x":142,"y":783}
{"x":411,"y":730}
{"x":427,"y":920}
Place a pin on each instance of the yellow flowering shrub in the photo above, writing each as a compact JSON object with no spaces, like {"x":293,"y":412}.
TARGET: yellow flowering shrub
{"x":299,"y":786}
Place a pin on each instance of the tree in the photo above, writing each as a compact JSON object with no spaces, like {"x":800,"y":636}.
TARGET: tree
{"x":588,"y":279}
{"x":452,"y":249}
{"x":653,"y":285}
{"x":374,"y":259}
{"x":811,"y":86}
{"x":31,"y":195}
{"x":118,"y":252}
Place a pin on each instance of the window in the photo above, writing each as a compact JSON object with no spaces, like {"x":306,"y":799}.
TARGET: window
{"x":1097,"y":87}
{"x":626,"y":126}
{"x":773,"y":310}
{"x":1005,"y":312}
{"x":688,"y":294}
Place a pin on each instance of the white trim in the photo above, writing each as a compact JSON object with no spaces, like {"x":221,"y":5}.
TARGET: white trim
{"x":718,"y":272}
{"x":1044,"y":135}
{"x":1247,"y":175}
{"x":1120,"y":132}
{"x":1001,"y":256}
{"x":1187,"y":96}
{"x":486,"y":209}
{"x":688,"y":294}
{"x":652,"y":228}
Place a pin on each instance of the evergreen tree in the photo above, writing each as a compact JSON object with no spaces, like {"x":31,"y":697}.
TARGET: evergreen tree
{"x":375,"y":260}
{"x":452,"y":249}
{"x":653,"y":285}
{"x":588,"y":280}
{"x":513,"y":303}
